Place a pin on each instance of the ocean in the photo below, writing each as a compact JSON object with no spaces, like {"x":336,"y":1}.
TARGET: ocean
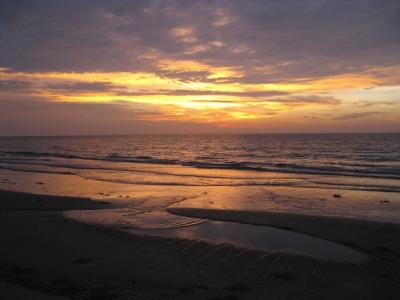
{"x":364,"y":155}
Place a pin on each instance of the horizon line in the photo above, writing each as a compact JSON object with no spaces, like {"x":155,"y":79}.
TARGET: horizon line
{"x":182,"y":134}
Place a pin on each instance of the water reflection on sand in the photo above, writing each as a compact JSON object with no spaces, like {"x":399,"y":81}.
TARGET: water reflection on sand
{"x":261,"y":238}
{"x":143,"y":204}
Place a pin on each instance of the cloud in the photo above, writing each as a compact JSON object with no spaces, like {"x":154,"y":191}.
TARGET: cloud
{"x":15,"y":86}
{"x":80,"y":86}
{"x":40,"y":84}
{"x":267,"y":41}
{"x":252,"y":94}
{"x":308,"y":99}
{"x":359,"y":115}
{"x":32,"y":86}
{"x":375,"y":103}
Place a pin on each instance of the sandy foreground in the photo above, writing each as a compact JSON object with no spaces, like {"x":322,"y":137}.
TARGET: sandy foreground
{"x":44,"y":252}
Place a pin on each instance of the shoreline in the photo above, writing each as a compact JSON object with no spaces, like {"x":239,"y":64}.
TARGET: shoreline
{"x":306,"y":171}
{"x":44,"y":250}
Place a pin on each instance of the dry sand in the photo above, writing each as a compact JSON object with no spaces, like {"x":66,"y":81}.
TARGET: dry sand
{"x":43,"y":250}
{"x":10,"y":291}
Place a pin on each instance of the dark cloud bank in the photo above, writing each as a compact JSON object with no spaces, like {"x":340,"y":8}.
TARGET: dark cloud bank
{"x":294,"y":39}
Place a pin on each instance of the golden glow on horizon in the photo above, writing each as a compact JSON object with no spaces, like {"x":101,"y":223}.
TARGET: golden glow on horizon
{"x":214,"y":99}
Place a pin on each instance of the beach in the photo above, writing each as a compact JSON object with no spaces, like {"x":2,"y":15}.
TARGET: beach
{"x":206,"y":150}
{"x":45,"y":251}
{"x":101,"y":226}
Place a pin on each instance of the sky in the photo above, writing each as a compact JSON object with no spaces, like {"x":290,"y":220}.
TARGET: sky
{"x":150,"y":67}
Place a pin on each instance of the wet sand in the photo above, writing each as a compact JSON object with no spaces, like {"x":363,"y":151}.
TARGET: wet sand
{"x":43,"y":250}
{"x":264,"y":238}
{"x":367,"y":236}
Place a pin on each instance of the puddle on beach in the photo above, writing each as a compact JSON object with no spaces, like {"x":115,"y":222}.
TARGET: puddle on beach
{"x":262,"y":238}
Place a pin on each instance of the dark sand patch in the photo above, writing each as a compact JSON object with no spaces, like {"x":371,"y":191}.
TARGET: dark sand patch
{"x":25,"y":201}
{"x":10,"y":291}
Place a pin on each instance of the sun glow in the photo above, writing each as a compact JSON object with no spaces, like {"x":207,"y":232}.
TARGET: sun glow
{"x":209,"y":98}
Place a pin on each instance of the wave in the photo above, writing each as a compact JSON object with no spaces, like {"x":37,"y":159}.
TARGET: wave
{"x":11,"y":168}
{"x":350,"y":169}
{"x":338,"y":186}
{"x":196,"y":180}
